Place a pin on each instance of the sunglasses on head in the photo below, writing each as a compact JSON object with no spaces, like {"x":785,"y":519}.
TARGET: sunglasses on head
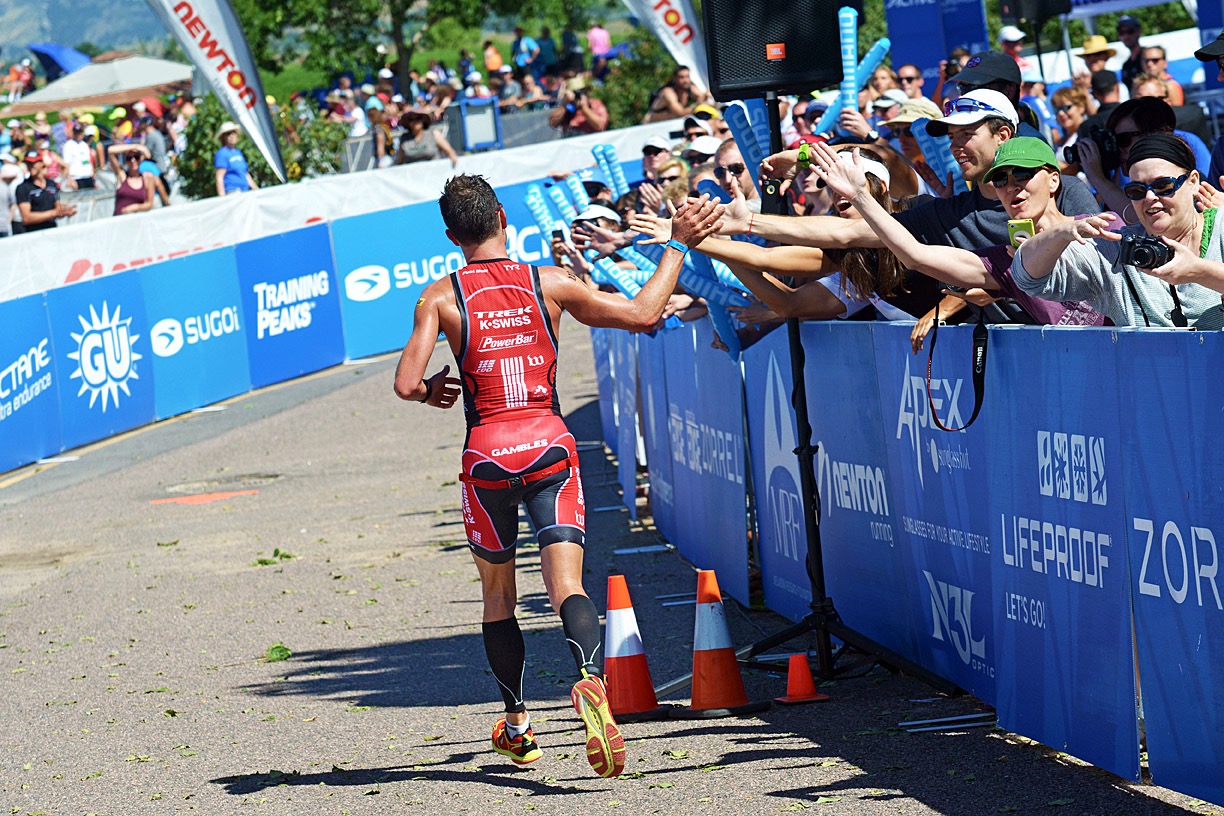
{"x":1163,"y":187}
{"x":652,"y":151}
{"x":1020,"y":175}
{"x":734,"y":169}
{"x":966,"y":104}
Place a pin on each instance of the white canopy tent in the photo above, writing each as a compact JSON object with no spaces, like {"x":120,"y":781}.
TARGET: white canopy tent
{"x":115,"y":82}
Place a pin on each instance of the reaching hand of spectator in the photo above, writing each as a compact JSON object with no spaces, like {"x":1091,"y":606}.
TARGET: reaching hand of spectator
{"x":651,"y":196}
{"x":1186,"y":267}
{"x":587,"y":235}
{"x":942,"y":188}
{"x":781,"y":165}
{"x":678,"y":302}
{"x":1082,"y":80}
{"x":695,"y":220}
{"x":1209,"y":196}
{"x":738,"y":218}
{"x":976,"y":296}
{"x":659,"y":229}
{"x":852,"y":122}
{"x":843,"y":178}
{"x":1084,"y":227}
{"x":921,"y":329}
{"x":754,"y":314}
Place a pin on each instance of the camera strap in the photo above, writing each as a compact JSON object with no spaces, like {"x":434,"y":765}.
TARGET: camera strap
{"x":981,"y":337}
{"x":1177,"y":315}
{"x":1130,"y":284}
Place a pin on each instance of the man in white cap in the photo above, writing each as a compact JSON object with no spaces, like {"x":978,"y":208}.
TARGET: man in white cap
{"x":655,"y":151}
{"x":1011,"y":42}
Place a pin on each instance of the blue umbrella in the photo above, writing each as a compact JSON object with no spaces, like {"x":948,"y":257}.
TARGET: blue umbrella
{"x":58,"y":60}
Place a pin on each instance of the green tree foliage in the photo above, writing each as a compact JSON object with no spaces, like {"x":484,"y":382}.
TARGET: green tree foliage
{"x":309,"y":149}
{"x":635,"y":78}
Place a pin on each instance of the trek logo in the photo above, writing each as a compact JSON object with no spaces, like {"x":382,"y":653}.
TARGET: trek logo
{"x":485,"y":367}
{"x":504,"y":318}
{"x":914,"y":414}
{"x":169,"y":336}
{"x":507,"y":341}
{"x":106,"y":356}
{"x":952,"y":614}
{"x":520,"y":448}
{"x":1072,"y":466}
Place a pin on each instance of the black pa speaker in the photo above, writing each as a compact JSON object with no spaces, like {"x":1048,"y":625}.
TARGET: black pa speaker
{"x":754,"y":46}
{"x":1033,"y":11}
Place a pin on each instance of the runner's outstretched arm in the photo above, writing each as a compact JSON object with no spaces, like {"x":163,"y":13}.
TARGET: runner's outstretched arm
{"x":696,"y":219}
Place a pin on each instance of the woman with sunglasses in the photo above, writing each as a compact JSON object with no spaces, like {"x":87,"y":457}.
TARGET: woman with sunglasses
{"x":1062,"y":263}
{"x":134,"y":191}
{"x":1070,"y":109}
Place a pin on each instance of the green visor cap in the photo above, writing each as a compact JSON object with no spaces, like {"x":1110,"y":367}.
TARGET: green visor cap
{"x":1021,"y":151}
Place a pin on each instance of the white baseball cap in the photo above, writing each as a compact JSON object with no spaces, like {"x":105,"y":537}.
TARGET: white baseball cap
{"x":976,"y":106}
{"x":597,"y":211}
{"x":657,"y":142}
{"x":385,"y":73}
{"x":1011,"y":34}
{"x":705,"y":145}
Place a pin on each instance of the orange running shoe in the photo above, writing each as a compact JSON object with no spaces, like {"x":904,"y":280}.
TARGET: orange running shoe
{"x":521,"y":749}
{"x":605,"y":745}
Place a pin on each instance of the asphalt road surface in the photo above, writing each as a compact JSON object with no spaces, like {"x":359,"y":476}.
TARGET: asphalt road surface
{"x":136,"y":619}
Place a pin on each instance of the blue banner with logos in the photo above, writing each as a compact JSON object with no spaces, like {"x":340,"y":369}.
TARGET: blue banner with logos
{"x":781,"y":528}
{"x":964,"y":26}
{"x":866,"y":570}
{"x":940,"y":496}
{"x":624,"y":349}
{"x":290,"y":304}
{"x":102,"y":355}
{"x":1058,"y":543}
{"x":601,"y":347}
{"x":382,"y":275}
{"x":916,"y":30}
{"x":706,"y":419}
{"x":1172,"y":389}
{"x":196,"y":331}
{"x":29,"y":383}
{"x":652,"y":385}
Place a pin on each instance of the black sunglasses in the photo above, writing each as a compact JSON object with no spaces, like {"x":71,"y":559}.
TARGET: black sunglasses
{"x":1020,"y":175}
{"x":668,"y":179}
{"x":652,"y":151}
{"x":905,"y":79}
{"x":1128,"y":138}
{"x":1064,"y":108}
{"x":734,"y":169}
{"x":1163,"y":187}
{"x":1128,"y":30}
{"x":901,"y":132}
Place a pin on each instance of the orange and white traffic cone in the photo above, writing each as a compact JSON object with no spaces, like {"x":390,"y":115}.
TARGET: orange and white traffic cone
{"x":718,"y":689}
{"x":630,"y":689}
{"x":800,"y":687}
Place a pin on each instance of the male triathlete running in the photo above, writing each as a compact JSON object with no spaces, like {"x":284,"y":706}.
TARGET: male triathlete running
{"x":501,"y":321}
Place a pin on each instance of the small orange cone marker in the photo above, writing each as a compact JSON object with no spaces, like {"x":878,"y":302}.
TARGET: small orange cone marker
{"x":800,"y":687}
{"x":630,"y":689}
{"x":718,"y":689}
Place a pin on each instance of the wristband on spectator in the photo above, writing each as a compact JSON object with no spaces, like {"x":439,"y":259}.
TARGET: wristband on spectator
{"x":676,"y":245}
{"x":805,"y":156}
{"x":751,"y":217}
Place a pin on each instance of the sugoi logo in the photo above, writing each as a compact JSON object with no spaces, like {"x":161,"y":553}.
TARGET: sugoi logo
{"x":952,"y":613}
{"x":167,"y":337}
{"x":1072,"y":467}
{"x":782,"y":485}
{"x":106,"y":356}
{"x":914,"y":414}
{"x":367,"y":283}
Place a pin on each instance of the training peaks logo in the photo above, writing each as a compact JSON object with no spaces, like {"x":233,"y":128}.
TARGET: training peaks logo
{"x":105,"y":356}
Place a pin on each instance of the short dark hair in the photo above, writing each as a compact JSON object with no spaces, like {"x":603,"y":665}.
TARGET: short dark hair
{"x":1150,"y":115}
{"x":470,"y":209}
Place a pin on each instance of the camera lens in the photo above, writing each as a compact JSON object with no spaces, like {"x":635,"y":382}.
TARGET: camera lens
{"x":1071,"y":154}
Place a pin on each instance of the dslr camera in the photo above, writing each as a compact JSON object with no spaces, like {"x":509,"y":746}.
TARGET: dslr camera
{"x":1144,"y":252}
{"x":1107,"y":146}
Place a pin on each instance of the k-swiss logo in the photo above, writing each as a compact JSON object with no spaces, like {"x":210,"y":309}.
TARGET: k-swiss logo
{"x":1072,"y":467}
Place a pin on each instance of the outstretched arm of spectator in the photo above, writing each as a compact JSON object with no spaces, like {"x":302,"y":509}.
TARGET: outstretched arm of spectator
{"x":810,"y":300}
{"x":825,"y":231}
{"x":446,"y":148}
{"x":588,"y":235}
{"x":1043,"y":251}
{"x":948,"y":264}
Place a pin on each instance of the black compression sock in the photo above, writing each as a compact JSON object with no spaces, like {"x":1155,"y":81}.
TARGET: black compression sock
{"x":581,"y":624}
{"x":504,"y":647}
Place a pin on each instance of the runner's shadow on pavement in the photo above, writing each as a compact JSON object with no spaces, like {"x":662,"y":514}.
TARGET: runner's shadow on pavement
{"x":505,"y":776}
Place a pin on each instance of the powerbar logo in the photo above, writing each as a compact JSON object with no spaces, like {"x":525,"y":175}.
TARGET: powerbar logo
{"x":504,"y":318}
{"x":23,"y":379}
{"x":287,"y":306}
{"x":507,"y":341}
{"x":520,"y":448}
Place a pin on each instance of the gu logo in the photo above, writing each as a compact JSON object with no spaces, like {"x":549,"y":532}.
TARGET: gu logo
{"x":1072,"y":467}
{"x":105,"y":356}
{"x":952,"y":613}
